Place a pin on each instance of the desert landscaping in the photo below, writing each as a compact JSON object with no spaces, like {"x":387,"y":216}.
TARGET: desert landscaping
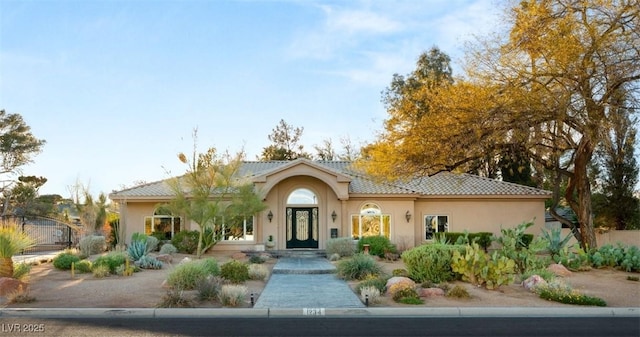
{"x":53,"y":288}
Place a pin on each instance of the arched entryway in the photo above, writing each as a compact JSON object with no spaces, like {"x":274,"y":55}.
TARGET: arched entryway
{"x":302,"y":219}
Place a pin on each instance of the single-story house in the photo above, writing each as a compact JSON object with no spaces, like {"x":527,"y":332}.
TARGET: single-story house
{"x":309,"y":202}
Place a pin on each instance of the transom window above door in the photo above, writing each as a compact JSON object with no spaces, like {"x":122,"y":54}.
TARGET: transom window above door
{"x":302,"y":196}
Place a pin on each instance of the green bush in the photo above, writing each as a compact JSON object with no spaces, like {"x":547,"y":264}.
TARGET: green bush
{"x":521,"y":248}
{"x":209,"y":287}
{"x":404,"y":291}
{"x":341,"y":246}
{"x":186,"y":241}
{"x":21,"y":270}
{"x":168,"y":248}
{"x":379,"y":282}
{"x":256,"y":259}
{"x":111,"y":261}
{"x":152,"y":244}
{"x":258,"y":272}
{"x":83,"y":266}
{"x":618,"y":256}
{"x":235,"y":271}
{"x":483,"y":239}
{"x":101,"y":271}
{"x":574,"y":258}
{"x":358,"y":267}
{"x":64,"y":260}
{"x":378,"y":245}
{"x":458,"y":291}
{"x":186,"y":276}
{"x":559,"y":292}
{"x":400,"y":272}
{"x":430,"y":262}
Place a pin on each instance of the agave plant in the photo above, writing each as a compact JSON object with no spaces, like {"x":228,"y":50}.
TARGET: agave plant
{"x":12,"y":241}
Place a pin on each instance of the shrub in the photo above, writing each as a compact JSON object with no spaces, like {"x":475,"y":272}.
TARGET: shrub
{"x":232,"y":295}
{"x":20,"y":295}
{"x":152,"y":244}
{"x":401,"y":290}
{"x":378,"y":245}
{"x":258,"y":272}
{"x":618,"y":256}
{"x":400,"y":272}
{"x":93,"y":244}
{"x":64,"y":260}
{"x":555,"y":241}
{"x":209,"y":287}
{"x":358,"y":267}
{"x":633,"y":278}
{"x":411,"y":300}
{"x":574,"y":258}
{"x":175,"y":299}
{"x":125,"y":270}
{"x":430,"y":262}
{"x":111,"y":261}
{"x":344,"y":247}
{"x":186,"y":276}
{"x":149,"y":262}
{"x":83,"y":266}
{"x":521,"y":248}
{"x":137,"y":249}
{"x":370,"y":293}
{"x":563,"y":293}
{"x":479,"y":268}
{"x":379,"y":282}
{"x":12,"y":241}
{"x":168,"y":248}
{"x":21,"y":271}
{"x":101,"y":271}
{"x":235,"y":271}
{"x":186,"y":241}
{"x":334,"y":257}
{"x":458,"y":291}
{"x":256,"y":259}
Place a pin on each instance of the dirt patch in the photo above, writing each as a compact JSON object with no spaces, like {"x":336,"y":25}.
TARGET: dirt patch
{"x":53,"y":288}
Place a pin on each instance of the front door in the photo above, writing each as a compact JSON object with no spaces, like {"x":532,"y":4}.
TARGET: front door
{"x":302,"y":227}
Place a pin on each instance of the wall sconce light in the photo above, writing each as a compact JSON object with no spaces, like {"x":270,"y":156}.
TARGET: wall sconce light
{"x":270,"y":215}
{"x":334,"y":215}
{"x":408,"y":216}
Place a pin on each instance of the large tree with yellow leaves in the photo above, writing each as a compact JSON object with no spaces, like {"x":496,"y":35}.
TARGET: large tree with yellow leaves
{"x":549,"y":85}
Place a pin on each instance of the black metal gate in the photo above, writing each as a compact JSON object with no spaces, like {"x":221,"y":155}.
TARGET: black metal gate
{"x":48,"y":234}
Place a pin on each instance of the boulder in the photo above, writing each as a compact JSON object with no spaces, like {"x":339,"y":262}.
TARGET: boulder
{"x":533,"y":282}
{"x":166,"y":258}
{"x":430,"y":292}
{"x":185,"y":260}
{"x":10,"y":285}
{"x":559,"y":270}
{"x":400,"y":279}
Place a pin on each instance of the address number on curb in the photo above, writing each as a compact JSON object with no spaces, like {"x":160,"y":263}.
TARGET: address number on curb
{"x":313,"y":311}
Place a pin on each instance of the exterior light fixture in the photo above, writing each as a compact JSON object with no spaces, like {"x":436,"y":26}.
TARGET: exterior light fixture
{"x":334,"y":215}
{"x":270,"y":215}
{"x":408,"y":216}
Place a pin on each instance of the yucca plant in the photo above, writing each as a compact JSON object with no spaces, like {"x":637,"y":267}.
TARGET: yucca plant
{"x":12,"y":241}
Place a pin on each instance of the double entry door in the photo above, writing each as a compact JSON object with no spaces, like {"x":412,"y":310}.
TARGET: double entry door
{"x":302,"y":227}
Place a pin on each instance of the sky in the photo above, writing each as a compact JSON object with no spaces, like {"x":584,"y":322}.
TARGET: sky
{"x":116,"y":88}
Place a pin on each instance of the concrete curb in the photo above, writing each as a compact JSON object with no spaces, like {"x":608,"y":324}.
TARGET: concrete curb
{"x":319,"y":312}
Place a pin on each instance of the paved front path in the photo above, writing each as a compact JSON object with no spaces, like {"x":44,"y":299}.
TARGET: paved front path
{"x":306,"y":283}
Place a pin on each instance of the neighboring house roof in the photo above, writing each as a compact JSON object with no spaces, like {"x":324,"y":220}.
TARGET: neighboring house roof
{"x":565,"y":212}
{"x":441,"y":184}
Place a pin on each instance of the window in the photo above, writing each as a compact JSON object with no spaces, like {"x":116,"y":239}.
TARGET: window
{"x":302,"y":196}
{"x":370,"y":222}
{"x":162,"y":222}
{"x":435,"y":224}
{"x":237,"y":228}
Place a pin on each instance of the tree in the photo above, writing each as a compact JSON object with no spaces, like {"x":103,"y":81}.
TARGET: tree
{"x":285,"y":143}
{"x":17,"y":146}
{"x":23,"y":196}
{"x":549,"y":87}
{"x":325,"y":151}
{"x":212,"y":189}
{"x":617,"y":176}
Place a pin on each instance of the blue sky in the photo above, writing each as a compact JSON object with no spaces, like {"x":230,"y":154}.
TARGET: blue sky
{"x":117,"y":87}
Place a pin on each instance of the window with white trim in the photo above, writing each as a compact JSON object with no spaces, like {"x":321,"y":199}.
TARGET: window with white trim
{"x":238,"y":228}
{"x":162,"y":223}
{"x":370,"y":222}
{"x":435,"y":224}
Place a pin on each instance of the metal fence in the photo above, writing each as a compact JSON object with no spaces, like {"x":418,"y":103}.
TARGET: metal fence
{"x":48,"y":234}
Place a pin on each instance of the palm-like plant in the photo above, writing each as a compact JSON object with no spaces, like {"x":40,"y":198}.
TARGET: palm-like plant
{"x":12,"y":241}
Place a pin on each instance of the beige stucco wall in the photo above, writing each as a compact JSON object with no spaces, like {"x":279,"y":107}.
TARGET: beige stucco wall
{"x":480,"y":215}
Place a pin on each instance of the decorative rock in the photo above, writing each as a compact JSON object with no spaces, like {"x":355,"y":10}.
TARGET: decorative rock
{"x":400,"y":279}
{"x":533,"y":282}
{"x":185,"y":260}
{"x":559,"y":270}
{"x":9,"y":285}
{"x":430,"y":292}
{"x":166,"y":258}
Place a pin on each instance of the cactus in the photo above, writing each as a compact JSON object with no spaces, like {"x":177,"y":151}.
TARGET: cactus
{"x":137,"y":249}
{"x":478,"y":268}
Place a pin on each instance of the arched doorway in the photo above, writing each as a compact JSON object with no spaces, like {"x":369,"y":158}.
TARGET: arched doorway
{"x":302,"y":219}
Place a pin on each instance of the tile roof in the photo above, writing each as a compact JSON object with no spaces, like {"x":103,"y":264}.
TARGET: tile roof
{"x":441,"y":184}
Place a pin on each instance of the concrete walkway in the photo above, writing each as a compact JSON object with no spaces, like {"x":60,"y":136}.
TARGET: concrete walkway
{"x":306,"y":283}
